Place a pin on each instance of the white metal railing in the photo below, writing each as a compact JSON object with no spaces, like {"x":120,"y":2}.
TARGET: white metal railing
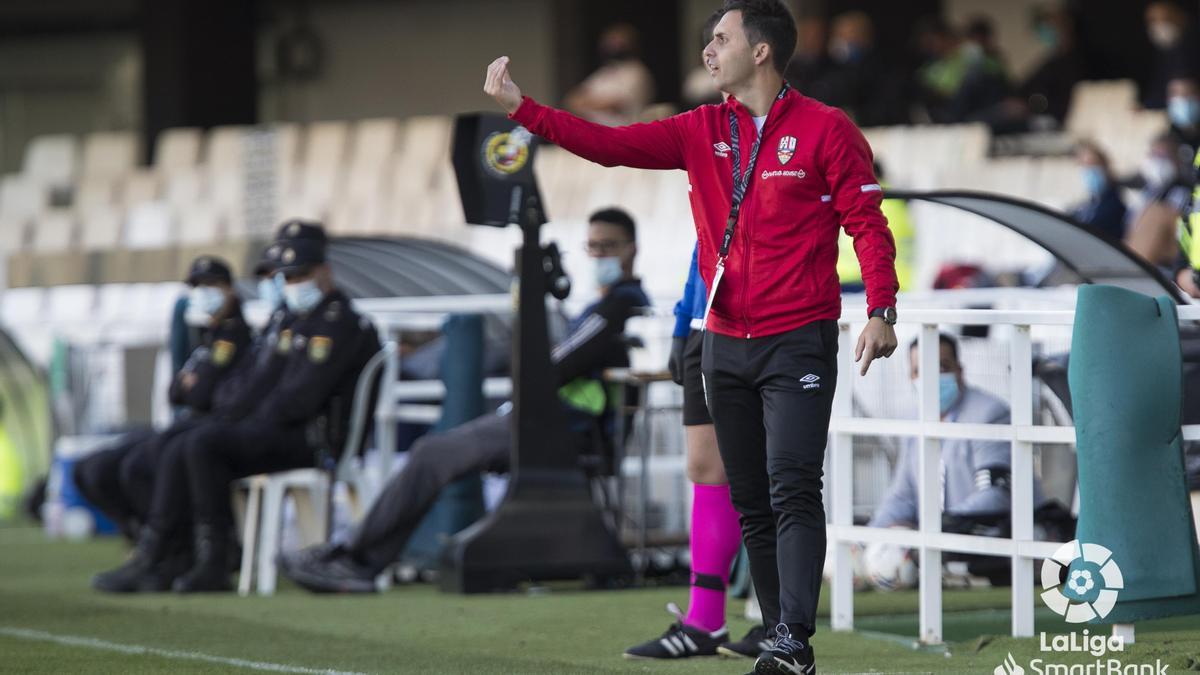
{"x":929,"y":540}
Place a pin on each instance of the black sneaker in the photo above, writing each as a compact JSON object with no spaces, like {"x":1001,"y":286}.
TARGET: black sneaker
{"x":680,"y":641}
{"x":329,"y":571}
{"x":295,"y":559}
{"x":754,"y":643}
{"x":788,"y":656}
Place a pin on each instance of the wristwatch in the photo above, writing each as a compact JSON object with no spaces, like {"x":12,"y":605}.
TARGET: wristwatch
{"x":888,"y":314}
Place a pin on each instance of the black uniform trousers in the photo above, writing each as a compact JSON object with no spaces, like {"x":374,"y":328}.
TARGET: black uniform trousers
{"x":770,"y":400}
{"x":210,"y":457}
{"x":98,"y":478}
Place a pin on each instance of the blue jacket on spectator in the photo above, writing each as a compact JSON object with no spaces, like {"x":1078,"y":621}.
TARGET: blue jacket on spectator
{"x":1104,"y":213}
{"x":691,"y":306}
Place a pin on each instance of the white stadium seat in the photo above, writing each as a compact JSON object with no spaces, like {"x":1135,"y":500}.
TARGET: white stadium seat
{"x":176,"y":149}
{"x":101,"y":228}
{"x":54,"y":231}
{"x":149,"y":225}
{"x":110,"y":154}
{"x":51,"y":161}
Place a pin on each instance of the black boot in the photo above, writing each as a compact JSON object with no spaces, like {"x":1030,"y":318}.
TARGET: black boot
{"x":146,"y":571}
{"x":210,"y":573}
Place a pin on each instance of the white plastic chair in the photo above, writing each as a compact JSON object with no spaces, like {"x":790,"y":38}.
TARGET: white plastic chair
{"x":310,"y":490}
{"x":51,"y":161}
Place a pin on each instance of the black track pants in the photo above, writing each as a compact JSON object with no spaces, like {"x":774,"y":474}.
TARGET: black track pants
{"x":770,"y":400}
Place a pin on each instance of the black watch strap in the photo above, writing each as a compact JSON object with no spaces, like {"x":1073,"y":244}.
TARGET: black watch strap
{"x":888,"y":314}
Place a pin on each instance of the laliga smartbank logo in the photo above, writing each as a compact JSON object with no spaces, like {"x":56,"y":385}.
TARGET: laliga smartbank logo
{"x":1080,"y":582}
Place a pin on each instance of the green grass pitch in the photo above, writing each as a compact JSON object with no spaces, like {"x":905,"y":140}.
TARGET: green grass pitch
{"x":50,"y":622}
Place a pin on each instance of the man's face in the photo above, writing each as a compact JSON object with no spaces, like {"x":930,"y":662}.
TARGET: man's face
{"x":609,"y":240}
{"x":1182,"y":87}
{"x":946,"y":361}
{"x":730,"y":57}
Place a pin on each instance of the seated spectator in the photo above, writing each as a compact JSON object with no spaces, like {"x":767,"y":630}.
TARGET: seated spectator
{"x":292,"y":424}
{"x":1043,"y":99}
{"x":202,"y":383}
{"x":1166,"y":193}
{"x":959,"y":81}
{"x":810,"y":67}
{"x":621,"y":88}
{"x":593,"y":344}
{"x":861,"y":81}
{"x":975,"y":474}
{"x":1104,"y":211}
{"x":1175,"y":50}
{"x":1183,"y":110}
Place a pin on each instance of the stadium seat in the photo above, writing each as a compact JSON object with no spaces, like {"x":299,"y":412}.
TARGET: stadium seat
{"x":1101,"y":109}
{"x":199,"y":225}
{"x":13,"y":233}
{"x":176,"y":149}
{"x":373,"y":142}
{"x":110,"y":154}
{"x":51,"y":161}
{"x":184,"y":189}
{"x":21,"y":306}
{"x":224,"y":149}
{"x":149,"y":225}
{"x":21,"y":197}
{"x":93,"y":193}
{"x":71,"y":304}
{"x":321,"y":168}
{"x":138,"y":187}
{"x":54,"y":231}
{"x":100,"y":228}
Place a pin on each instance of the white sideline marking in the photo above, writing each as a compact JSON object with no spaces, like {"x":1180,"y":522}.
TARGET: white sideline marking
{"x":95,"y":643}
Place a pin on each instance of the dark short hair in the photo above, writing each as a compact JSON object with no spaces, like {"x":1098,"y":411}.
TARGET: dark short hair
{"x":706,"y":33}
{"x":768,"y":21}
{"x":943,"y":339}
{"x":618,"y":217}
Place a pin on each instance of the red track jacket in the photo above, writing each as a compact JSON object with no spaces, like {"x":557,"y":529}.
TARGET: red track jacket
{"x":813,"y":174}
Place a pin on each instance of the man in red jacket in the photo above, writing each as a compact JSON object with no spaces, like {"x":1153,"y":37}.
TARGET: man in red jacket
{"x":767,"y":225}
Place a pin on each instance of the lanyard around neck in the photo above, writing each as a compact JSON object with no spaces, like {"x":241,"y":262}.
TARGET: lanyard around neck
{"x":741,"y":179}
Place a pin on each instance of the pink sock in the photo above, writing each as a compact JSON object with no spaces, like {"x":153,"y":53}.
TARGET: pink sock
{"x":715,"y":539}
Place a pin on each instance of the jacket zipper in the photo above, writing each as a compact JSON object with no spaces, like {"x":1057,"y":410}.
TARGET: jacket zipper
{"x":746,"y":267}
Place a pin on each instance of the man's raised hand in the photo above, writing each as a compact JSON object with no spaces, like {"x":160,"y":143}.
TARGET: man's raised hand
{"x":499,"y":85}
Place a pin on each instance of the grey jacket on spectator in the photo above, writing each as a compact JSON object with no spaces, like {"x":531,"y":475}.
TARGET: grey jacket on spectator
{"x":962,"y":460}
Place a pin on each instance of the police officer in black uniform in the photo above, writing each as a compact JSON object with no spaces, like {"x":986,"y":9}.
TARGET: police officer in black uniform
{"x":302,"y":421}
{"x":104,"y":477}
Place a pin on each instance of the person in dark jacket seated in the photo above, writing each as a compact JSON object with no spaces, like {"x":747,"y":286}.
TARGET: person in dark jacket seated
{"x":286,"y":425}
{"x":201,"y":385}
{"x":1104,"y":211}
{"x":594,"y":342}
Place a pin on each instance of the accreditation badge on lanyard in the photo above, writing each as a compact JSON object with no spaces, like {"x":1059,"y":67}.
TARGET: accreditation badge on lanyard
{"x":740,"y":183}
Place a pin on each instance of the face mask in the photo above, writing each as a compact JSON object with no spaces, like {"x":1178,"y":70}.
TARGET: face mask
{"x":1158,"y":171}
{"x":1094,"y":179}
{"x":1183,"y":111}
{"x":844,"y":52}
{"x":269,"y":292}
{"x":1163,"y":34}
{"x":1047,"y":35}
{"x":302,"y":297}
{"x":608,"y":270}
{"x":973,"y":52}
{"x":206,"y":300}
{"x":947,"y":391}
